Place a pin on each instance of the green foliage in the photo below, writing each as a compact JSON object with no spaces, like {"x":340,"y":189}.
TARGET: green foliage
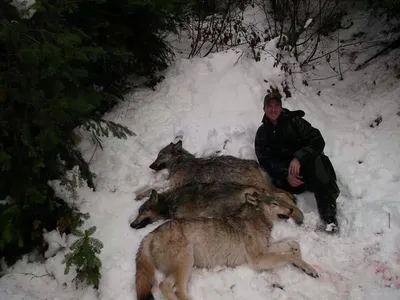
{"x":71,"y":222}
{"x":84,"y":257}
{"x":62,"y":69}
{"x":104,"y":127}
{"x":132,"y":31}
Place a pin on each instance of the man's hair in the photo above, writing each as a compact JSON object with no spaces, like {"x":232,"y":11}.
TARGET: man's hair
{"x":273,"y":95}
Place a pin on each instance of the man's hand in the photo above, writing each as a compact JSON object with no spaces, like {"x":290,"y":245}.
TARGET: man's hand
{"x":294,"y":173}
{"x":294,"y":181}
{"x":294,"y":167}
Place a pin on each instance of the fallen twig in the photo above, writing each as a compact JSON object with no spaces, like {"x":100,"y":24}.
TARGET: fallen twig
{"x":34,"y":275}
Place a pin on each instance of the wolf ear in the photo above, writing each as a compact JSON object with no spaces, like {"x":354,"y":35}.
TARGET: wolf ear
{"x":154,"y":195}
{"x":252,"y":198}
{"x":178,"y":145}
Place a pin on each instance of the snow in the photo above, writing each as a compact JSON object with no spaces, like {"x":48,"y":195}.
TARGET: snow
{"x":307,"y":23}
{"x":55,"y":241}
{"x":215,"y":101}
{"x":26,"y":7}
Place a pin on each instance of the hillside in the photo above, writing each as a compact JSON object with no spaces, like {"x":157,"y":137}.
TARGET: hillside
{"x":214,"y":104}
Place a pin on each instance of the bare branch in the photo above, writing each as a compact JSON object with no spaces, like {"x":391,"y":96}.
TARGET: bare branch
{"x":34,"y":275}
{"x":338,"y":56}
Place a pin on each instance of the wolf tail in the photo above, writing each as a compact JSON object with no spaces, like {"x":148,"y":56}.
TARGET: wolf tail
{"x":145,"y":269}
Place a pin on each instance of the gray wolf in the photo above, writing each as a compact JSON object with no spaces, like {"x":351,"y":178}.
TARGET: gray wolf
{"x":185,"y":168}
{"x":290,"y":149}
{"x":198,"y":200}
{"x":177,"y":246}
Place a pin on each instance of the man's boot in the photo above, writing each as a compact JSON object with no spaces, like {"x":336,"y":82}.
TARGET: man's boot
{"x":327,"y":210}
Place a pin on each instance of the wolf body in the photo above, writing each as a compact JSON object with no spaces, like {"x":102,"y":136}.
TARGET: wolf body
{"x":177,"y":246}
{"x":185,"y":168}
{"x":198,"y":200}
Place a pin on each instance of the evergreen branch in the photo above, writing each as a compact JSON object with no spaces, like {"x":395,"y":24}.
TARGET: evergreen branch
{"x":83,"y":256}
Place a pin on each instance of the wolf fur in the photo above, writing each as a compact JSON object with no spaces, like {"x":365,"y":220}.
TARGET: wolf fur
{"x":177,"y":246}
{"x":198,"y":200}
{"x":185,"y":168}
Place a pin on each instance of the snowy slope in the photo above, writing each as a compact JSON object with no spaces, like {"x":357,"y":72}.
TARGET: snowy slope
{"x":215,"y":101}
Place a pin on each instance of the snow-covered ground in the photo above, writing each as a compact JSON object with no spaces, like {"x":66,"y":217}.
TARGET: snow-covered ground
{"x":217,"y":100}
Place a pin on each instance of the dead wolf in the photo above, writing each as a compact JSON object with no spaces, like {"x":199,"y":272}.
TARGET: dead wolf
{"x":177,"y":246}
{"x":185,"y":168}
{"x":198,"y":200}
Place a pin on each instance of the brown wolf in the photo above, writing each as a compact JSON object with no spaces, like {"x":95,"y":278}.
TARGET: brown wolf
{"x":198,"y":200}
{"x":185,"y":168}
{"x":177,"y":246}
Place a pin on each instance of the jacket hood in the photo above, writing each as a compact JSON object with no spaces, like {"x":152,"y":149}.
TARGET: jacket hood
{"x":287,"y":114}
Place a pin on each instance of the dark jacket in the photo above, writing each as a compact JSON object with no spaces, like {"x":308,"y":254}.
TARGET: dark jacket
{"x":293,"y":136}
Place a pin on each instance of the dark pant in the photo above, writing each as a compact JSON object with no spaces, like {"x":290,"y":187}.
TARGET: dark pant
{"x":320,"y":178}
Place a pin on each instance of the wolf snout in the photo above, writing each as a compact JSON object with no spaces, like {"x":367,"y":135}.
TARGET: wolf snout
{"x":156,"y":166}
{"x":287,"y":210}
{"x":285,"y":213}
{"x":283,"y":217}
{"x":138,"y":224}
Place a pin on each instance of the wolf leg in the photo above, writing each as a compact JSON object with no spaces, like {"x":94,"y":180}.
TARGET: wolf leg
{"x":298,"y":262}
{"x":287,"y":247}
{"x":166,"y":287}
{"x":182,"y":274}
{"x":271,"y":261}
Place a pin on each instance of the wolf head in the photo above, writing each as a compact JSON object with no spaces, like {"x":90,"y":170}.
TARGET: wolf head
{"x":166,"y":156}
{"x":273,"y":208}
{"x":150,"y":212}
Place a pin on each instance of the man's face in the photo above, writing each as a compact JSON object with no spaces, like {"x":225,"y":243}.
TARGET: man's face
{"x":272,"y":110}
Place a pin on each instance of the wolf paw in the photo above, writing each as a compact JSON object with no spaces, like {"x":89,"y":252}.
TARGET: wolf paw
{"x":310,"y":271}
{"x":294,"y":245}
{"x":306,"y":268}
{"x":295,"y":248}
